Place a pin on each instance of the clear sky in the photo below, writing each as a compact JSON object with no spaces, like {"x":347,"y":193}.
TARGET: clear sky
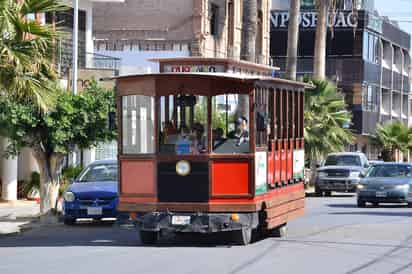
{"x":397,"y":9}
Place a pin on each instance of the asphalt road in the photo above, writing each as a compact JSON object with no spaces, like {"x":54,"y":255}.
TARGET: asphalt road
{"x":334,"y":237}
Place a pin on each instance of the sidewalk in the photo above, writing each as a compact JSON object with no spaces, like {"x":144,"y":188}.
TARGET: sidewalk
{"x":17,"y":216}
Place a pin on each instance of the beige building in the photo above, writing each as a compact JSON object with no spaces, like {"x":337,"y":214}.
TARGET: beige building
{"x":208,"y":28}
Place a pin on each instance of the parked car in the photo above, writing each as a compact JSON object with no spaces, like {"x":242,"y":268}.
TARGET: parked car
{"x":386,"y":183}
{"x":93,"y":194}
{"x":340,"y":172}
{"x":375,"y":162}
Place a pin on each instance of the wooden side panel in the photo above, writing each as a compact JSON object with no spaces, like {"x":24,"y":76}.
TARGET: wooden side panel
{"x":285,"y":206}
{"x":230,"y":178}
{"x":138,"y":177}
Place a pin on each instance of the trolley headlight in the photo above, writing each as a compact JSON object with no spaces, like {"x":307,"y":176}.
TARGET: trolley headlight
{"x":69,"y":196}
{"x":183,"y":168}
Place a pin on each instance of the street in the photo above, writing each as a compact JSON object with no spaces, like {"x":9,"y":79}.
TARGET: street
{"x":333,"y":237}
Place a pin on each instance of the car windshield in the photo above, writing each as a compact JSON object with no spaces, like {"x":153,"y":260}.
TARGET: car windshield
{"x":343,"y":160}
{"x":390,"y":171}
{"x":99,"y":173}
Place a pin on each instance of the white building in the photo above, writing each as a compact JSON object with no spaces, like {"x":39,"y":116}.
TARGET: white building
{"x":19,"y":168}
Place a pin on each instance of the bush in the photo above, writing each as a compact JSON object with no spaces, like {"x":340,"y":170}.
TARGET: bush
{"x":68,"y":175}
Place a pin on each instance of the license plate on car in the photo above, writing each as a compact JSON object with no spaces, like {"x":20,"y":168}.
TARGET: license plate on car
{"x":94,"y":211}
{"x":381,"y":194}
{"x":180,"y":220}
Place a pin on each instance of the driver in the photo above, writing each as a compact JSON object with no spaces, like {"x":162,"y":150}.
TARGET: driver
{"x":242,"y":131}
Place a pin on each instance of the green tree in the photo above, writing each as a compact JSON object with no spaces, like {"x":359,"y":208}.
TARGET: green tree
{"x":26,"y":50}
{"x":76,"y":120}
{"x":326,"y":121}
{"x":392,"y":138}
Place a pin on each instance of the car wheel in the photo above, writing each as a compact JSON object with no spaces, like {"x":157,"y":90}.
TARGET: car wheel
{"x":361,"y":203}
{"x":318,"y":191}
{"x":409,"y":204}
{"x":375,"y":204}
{"x":280,"y":231}
{"x":243,"y":236}
{"x":149,"y":237}
{"x":328,"y":193}
{"x":69,"y":221}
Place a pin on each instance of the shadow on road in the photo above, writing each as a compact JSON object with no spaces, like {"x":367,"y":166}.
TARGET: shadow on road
{"x":368,"y":206}
{"x":314,"y":195}
{"x":107,"y":234}
{"x":376,"y":213}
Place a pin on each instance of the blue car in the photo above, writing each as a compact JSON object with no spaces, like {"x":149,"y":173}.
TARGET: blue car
{"x":94,"y":194}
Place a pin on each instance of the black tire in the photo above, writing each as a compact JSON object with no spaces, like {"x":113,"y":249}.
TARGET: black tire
{"x":318,"y":191}
{"x":328,"y":193}
{"x":375,"y":204}
{"x":409,"y":205}
{"x":149,"y":237}
{"x":69,"y":221}
{"x":280,"y":231}
{"x":361,"y":203}
{"x":243,"y":236}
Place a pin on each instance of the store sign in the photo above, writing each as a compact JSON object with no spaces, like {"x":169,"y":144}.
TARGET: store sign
{"x":298,"y":163}
{"x":310,"y":19}
{"x":194,"y":68}
{"x":260,"y":171}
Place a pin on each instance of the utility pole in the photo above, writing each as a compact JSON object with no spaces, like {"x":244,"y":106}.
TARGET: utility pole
{"x":75,"y":44}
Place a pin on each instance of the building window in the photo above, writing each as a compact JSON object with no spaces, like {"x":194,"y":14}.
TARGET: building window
{"x":371,"y":48}
{"x":214,"y":19}
{"x":370,"y":98}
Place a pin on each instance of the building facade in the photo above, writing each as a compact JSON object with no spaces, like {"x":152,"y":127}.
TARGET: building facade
{"x":19,"y":168}
{"x":368,"y":57}
{"x":175,"y":28}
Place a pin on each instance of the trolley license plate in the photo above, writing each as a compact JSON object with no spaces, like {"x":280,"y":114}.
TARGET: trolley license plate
{"x":180,"y":220}
{"x":381,"y":194}
{"x":94,"y":211}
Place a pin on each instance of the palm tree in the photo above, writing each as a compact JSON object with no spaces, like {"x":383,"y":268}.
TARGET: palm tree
{"x":293,"y":36}
{"x":393,"y":138}
{"x":326,"y":120}
{"x":26,"y":50}
{"x":319,"y":62}
{"x":249,"y":30}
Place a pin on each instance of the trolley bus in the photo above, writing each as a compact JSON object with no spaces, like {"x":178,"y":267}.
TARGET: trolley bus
{"x":210,"y":145}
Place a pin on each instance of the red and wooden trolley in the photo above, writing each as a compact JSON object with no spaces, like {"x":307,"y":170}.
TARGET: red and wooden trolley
{"x":210,"y":145}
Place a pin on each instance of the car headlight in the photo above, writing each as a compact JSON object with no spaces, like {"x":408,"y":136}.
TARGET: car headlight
{"x":322,"y":174}
{"x":69,"y":196}
{"x":403,"y":187}
{"x":354,"y":174}
{"x":361,"y":186}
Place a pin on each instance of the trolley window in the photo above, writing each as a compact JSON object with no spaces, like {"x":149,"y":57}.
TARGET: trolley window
{"x":230,"y":123}
{"x":183,"y":124}
{"x":138,"y":124}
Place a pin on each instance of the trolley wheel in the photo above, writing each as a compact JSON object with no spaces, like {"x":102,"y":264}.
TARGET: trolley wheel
{"x":361,"y":203}
{"x":243,"y":236}
{"x":149,"y":237}
{"x":69,"y":221}
{"x":280,"y":231}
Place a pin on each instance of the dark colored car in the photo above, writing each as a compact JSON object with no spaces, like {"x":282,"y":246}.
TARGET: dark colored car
{"x":386,"y":183}
{"x":341,"y":172}
{"x":93,"y":194}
